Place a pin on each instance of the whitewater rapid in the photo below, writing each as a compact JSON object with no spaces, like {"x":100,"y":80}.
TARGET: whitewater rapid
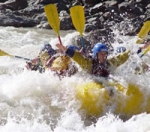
{"x":35,"y":102}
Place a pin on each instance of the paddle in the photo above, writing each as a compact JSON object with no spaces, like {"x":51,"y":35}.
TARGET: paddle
{"x":78,"y":19}
{"x":53,"y":19}
{"x":143,"y":32}
{"x":146,"y":50}
{"x":3,"y":53}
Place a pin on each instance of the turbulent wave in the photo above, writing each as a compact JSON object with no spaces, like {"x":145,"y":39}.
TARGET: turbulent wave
{"x":31,"y":101}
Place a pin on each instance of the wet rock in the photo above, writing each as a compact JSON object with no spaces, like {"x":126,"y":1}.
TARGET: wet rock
{"x":100,"y":36}
{"x":66,"y":23}
{"x":45,"y":2}
{"x":16,"y":21}
{"x":101,"y":16}
{"x":3,"y":1}
{"x":97,"y":8}
{"x":14,"y":5}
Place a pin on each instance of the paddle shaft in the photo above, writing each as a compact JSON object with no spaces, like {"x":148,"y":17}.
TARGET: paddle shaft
{"x":82,"y":41}
{"x":19,"y":57}
{"x":59,"y":40}
{"x":3,"y":53}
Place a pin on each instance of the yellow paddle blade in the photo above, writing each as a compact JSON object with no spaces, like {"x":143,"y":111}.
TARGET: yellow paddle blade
{"x":143,"y":32}
{"x":3,"y":53}
{"x":78,"y":18}
{"x":52,"y":16}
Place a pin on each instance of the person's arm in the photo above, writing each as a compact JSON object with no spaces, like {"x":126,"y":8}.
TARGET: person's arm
{"x":85,"y":63}
{"x":61,"y":47}
{"x":146,"y":45}
{"x":35,"y":60}
{"x":143,"y":47}
{"x":119,"y":59}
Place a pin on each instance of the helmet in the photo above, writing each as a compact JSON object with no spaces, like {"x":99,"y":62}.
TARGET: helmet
{"x":46,"y":47}
{"x":73,"y":47}
{"x":99,"y":48}
{"x":49,"y":49}
{"x":121,"y":49}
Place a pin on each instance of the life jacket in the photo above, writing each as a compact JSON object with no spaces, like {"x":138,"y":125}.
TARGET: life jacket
{"x":61,"y":63}
{"x":100,"y":69}
{"x":63,"y":66}
{"x":44,"y":57}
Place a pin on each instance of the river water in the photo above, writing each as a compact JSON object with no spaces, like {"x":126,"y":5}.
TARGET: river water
{"x":34,"y":102}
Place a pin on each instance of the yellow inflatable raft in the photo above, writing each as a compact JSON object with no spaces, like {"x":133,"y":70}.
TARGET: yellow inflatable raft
{"x":97,"y":99}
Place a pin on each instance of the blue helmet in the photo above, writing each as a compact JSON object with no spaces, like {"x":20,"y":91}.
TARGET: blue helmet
{"x":49,"y":49}
{"x":73,"y":47}
{"x":99,"y":47}
{"x":120,"y":49}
